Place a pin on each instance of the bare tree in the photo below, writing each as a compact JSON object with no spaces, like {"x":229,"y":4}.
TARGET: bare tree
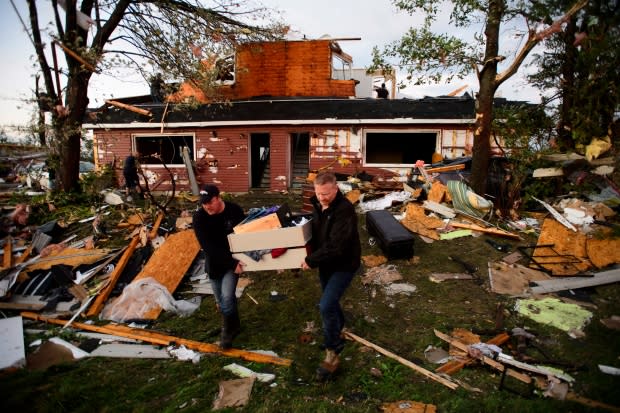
{"x":173,"y":36}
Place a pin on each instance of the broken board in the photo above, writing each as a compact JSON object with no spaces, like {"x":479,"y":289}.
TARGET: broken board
{"x":170,"y":262}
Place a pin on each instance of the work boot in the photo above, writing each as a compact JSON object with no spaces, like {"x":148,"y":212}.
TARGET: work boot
{"x":231,"y":326}
{"x":328,"y":367}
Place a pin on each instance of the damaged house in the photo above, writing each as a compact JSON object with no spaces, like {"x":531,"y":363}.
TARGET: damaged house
{"x":284,"y":108}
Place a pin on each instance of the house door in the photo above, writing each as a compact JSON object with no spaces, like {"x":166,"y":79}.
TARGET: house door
{"x":259,"y":160}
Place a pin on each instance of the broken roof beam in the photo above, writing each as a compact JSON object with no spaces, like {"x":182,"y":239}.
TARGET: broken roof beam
{"x":129,"y":107}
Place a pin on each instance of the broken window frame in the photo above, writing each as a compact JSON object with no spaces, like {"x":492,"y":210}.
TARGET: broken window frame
{"x":171,"y":155}
{"x":398,"y":147}
{"x":227,"y":65}
{"x":343,"y":73}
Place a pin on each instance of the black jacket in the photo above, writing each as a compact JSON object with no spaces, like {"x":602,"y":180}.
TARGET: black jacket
{"x":212,"y":234}
{"x":335,"y":242}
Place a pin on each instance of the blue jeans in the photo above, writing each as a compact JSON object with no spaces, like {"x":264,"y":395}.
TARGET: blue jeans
{"x":333,"y":286}
{"x":224,"y":292}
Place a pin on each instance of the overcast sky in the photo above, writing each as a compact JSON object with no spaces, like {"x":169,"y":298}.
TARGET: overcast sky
{"x":376,"y":22}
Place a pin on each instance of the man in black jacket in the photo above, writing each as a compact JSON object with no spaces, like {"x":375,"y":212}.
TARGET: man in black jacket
{"x":212,"y":223}
{"x":336,"y":251}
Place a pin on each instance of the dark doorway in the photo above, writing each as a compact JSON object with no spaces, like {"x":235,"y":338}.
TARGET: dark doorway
{"x":300,"y":158}
{"x":259,"y":160}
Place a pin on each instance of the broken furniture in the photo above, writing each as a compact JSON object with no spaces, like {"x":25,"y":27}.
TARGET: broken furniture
{"x":393,"y":238}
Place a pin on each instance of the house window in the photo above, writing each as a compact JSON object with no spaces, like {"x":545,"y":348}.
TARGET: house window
{"x":341,"y":68}
{"x":168,"y":147}
{"x":398,"y":148}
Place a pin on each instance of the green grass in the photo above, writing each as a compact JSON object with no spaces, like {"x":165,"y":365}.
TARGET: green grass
{"x":401,"y":324}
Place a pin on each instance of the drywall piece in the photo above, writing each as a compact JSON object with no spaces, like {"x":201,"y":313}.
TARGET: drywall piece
{"x":12,"y":353}
{"x":120,"y":350}
{"x":551,"y":311}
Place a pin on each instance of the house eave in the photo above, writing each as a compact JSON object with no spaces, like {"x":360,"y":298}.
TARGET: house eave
{"x":399,"y":121}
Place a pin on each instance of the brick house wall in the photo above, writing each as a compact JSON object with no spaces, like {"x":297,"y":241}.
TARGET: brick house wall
{"x":282,"y":69}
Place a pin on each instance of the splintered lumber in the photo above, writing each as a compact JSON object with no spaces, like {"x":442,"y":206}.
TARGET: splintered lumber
{"x":118,"y":270}
{"x":453,"y":366}
{"x":401,"y":360}
{"x":164,"y":340}
{"x":490,"y":231}
{"x":76,"y":56}
{"x":128,"y":107}
{"x":156,"y":225}
{"x":8,"y":253}
{"x":169,"y":263}
{"x":487,"y":360}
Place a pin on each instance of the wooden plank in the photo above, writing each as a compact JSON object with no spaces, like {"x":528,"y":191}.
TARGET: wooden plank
{"x":489,"y":361}
{"x":169,"y":263}
{"x":156,"y":225}
{"x":401,"y":360}
{"x":165,"y":340}
{"x":491,"y":231}
{"x":547,"y":172}
{"x":601,"y":278}
{"x":453,"y":366}
{"x":440,"y":277}
{"x":118,"y":270}
{"x":8,"y":253}
{"x":129,"y":107}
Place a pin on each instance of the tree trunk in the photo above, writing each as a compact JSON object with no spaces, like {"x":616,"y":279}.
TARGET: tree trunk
{"x":68,"y":129}
{"x":567,"y":86}
{"x":484,"y":101}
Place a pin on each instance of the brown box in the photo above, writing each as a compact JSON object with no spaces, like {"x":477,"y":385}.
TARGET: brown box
{"x":288,"y":237}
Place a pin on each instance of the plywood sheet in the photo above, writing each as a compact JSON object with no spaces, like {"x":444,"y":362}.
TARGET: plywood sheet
{"x":603,"y":252}
{"x":570,"y":245}
{"x":170,"y":262}
{"x":513,"y":279}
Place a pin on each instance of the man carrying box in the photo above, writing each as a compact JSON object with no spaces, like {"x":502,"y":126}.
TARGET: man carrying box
{"x":336,"y":251}
{"x":212,"y":223}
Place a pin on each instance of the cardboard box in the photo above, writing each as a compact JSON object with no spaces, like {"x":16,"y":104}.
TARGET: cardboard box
{"x":292,"y":258}
{"x":288,"y":237}
{"x":265,"y":223}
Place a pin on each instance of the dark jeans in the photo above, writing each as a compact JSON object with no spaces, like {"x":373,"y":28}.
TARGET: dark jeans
{"x":224,"y":290}
{"x":333,"y":286}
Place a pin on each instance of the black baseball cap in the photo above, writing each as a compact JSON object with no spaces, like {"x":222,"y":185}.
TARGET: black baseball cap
{"x":208,"y":192}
